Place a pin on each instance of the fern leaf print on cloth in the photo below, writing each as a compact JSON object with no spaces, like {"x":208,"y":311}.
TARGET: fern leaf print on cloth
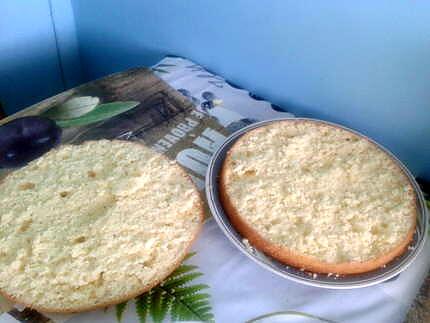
{"x":176,"y":297}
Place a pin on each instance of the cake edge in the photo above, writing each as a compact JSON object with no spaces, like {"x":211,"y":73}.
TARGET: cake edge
{"x":125,"y":297}
{"x":301,"y":261}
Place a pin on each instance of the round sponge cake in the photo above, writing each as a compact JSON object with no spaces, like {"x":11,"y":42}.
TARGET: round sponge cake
{"x":90,"y":225}
{"x":318,"y":197}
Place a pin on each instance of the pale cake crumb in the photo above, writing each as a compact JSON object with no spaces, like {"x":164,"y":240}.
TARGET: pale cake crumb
{"x":248,"y":245}
{"x":319,"y":191}
{"x":96,"y":224}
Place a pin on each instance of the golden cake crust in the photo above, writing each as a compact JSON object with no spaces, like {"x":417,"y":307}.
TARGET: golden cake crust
{"x":282,"y":252}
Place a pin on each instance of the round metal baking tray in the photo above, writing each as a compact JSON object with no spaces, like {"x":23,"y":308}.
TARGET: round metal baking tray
{"x":387,"y":272}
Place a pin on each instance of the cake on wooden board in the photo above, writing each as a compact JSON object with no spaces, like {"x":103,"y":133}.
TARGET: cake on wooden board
{"x":318,"y":197}
{"x":87,"y":226}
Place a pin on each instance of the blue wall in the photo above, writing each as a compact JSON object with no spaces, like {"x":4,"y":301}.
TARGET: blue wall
{"x":34,"y":63}
{"x":365,"y":64}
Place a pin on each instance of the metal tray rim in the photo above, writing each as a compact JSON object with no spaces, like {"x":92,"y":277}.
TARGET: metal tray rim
{"x":341,"y":283}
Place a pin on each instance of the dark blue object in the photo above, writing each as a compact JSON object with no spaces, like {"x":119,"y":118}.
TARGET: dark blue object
{"x":255,"y":96}
{"x":24,"y":139}
{"x":209,"y":96}
{"x":277,"y":108}
{"x":425,"y":186}
{"x":207,"y":105}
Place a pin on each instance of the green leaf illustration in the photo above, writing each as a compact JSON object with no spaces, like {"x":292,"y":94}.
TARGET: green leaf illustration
{"x":72,"y":108}
{"x":119,"y":310}
{"x":188,"y":256}
{"x":142,"y":304}
{"x":99,"y":113}
{"x":178,"y":297}
{"x":160,"y":305}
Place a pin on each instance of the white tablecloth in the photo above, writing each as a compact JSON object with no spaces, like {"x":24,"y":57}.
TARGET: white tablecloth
{"x":240,"y":289}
